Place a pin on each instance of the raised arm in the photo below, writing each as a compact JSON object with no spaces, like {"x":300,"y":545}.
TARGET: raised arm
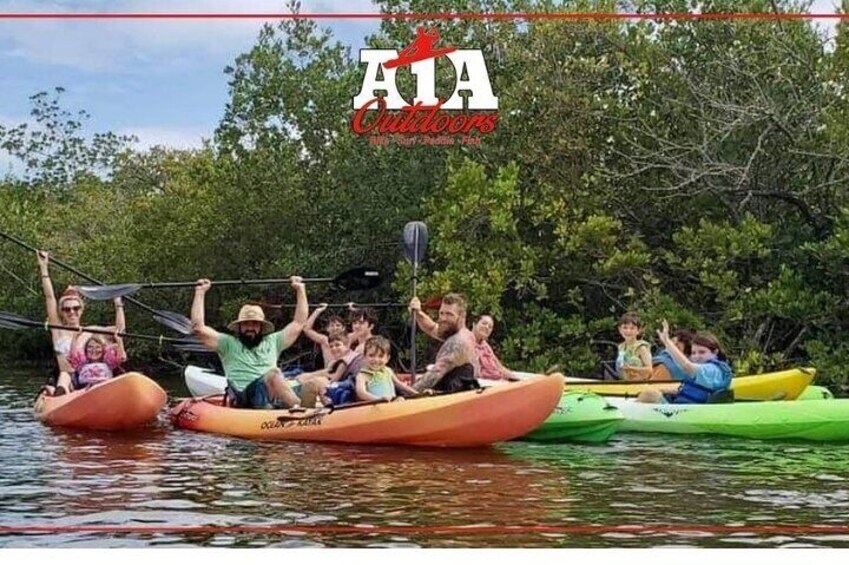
{"x":315,"y":336}
{"x":208,"y":336}
{"x":50,"y":304}
{"x":677,"y":355}
{"x":425,"y":322}
{"x":120,"y":327}
{"x":294,"y":328}
{"x":120,"y":320}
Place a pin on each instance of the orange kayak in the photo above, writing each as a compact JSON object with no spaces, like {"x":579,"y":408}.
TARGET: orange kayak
{"x":127,"y":401}
{"x":464,"y":419}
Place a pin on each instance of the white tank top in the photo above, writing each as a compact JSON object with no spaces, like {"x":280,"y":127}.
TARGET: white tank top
{"x":62,"y":346}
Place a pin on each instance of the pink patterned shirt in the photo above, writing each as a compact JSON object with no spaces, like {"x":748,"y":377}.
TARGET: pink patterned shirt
{"x":491,"y":367}
{"x":94,"y":372}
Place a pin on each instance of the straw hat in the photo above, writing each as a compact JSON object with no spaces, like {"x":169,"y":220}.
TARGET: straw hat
{"x":251,"y":313}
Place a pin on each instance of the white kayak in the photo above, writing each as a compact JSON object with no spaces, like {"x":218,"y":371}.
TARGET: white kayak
{"x":203,"y":382}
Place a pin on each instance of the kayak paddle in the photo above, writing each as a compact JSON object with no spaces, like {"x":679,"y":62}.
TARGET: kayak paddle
{"x":11,"y":321}
{"x":360,"y":278}
{"x":415,"y":248}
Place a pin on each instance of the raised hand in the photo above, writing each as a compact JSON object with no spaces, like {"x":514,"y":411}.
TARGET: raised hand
{"x":203,"y":285}
{"x":43,"y":260}
{"x":663,"y":333}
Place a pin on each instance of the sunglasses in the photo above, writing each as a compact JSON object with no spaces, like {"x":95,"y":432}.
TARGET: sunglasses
{"x":71,"y":308}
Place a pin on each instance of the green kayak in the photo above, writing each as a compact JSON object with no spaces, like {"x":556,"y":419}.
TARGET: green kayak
{"x":818,"y":420}
{"x":814,"y":392}
{"x":580,"y":416}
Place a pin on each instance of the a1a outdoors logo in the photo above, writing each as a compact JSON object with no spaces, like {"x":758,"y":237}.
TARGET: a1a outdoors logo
{"x":382,"y":113}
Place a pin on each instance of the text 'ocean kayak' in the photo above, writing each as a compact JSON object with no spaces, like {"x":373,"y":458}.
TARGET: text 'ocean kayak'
{"x":472,"y":418}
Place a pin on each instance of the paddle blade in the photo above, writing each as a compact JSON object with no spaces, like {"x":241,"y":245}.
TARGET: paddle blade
{"x":361,"y":278}
{"x":415,"y":242}
{"x":175,"y":321}
{"x":108,"y":292}
{"x":190,"y":346}
{"x":11,"y":321}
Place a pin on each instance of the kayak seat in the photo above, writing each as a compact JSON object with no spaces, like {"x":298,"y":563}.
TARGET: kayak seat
{"x":721,"y":397}
{"x":607,"y":372}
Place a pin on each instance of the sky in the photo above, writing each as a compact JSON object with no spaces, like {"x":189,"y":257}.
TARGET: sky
{"x":160,"y":80}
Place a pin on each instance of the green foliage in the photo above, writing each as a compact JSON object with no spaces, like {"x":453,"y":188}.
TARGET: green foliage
{"x":692,"y":171}
{"x":52,"y":148}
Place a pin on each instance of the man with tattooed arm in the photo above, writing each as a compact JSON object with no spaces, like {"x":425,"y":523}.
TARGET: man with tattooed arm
{"x":456,"y":366}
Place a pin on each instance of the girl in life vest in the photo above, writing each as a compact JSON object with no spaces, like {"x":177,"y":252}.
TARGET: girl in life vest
{"x":705,"y":372}
{"x":97,"y":360}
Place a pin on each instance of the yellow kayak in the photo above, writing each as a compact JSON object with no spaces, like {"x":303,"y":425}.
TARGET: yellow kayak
{"x":780,"y":385}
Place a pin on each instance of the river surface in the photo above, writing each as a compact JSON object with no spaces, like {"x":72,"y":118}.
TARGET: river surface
{"x":172,"y":488}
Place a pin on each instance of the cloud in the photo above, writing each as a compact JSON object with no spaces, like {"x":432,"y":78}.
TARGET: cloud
{"x":190,"y":137}
{"x":109,"y":45}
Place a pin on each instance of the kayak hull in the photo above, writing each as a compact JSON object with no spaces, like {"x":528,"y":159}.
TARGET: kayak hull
{"x":201,"y":382}
{"x":780,"y":385}
{"x":125,"y":402}
{"x":465,"y":419}
{"x":580,"y":417}
{"x":813,"y":392}
{"x":817,"y":420}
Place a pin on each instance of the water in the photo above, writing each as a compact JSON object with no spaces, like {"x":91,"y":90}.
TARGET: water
{"x":172,"y":488}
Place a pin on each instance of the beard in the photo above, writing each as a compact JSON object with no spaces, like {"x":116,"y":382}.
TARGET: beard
{"x":447,"y":329}
{"x":250,"y":341}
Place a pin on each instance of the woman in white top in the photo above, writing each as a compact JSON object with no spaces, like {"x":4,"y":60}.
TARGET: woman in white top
{"x":68,"y":311}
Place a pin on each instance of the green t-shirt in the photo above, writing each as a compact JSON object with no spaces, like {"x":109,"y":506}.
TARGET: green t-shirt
{"x":243,"y":365}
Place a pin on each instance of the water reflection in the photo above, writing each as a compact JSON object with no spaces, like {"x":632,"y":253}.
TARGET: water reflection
{"x":162,"y":477}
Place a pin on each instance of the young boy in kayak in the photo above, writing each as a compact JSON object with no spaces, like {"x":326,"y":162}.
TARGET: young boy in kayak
{"x":335,"y":324}
{"x":330,"y":384}
{"x":376,"y":380}
{"x":363,"y":322}
{"x":633,"y":361}
{"x":97,"y":361}
{"x":706,"y":370}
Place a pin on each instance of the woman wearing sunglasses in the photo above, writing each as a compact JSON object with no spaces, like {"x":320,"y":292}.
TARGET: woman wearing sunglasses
{"x":68,"y":311}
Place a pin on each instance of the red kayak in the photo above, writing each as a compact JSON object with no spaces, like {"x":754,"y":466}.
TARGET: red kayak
{"x":125,"y":402}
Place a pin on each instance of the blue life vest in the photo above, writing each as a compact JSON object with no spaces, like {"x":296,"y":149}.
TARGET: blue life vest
{"x":345,"y":390}
{"x":692,"y":392}
{"x":342,"y":392}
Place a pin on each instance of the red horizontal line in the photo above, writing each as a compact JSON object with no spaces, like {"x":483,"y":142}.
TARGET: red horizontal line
{"x":462,"y":530}
{"x":421,"y":16}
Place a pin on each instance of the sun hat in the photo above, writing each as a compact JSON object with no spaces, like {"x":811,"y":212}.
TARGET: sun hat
{"x":251,"y":313}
